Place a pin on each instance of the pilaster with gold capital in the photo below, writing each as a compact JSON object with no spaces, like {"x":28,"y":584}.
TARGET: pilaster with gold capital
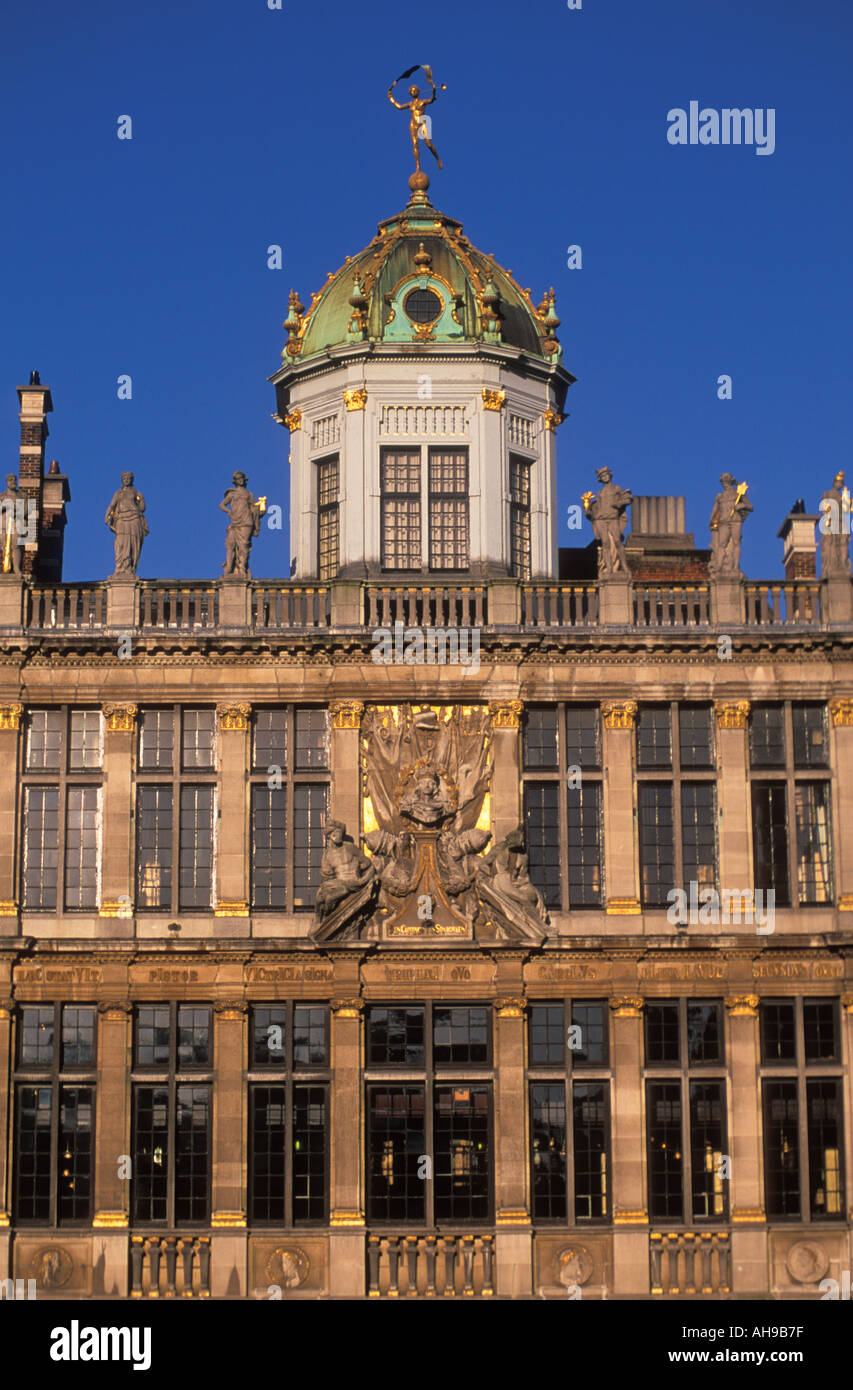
{"x":345,"y":752}
{"x":506,"y":718}
{"x":628,"y":1186}
{"x":346,"y":1197}
{"x":10,"y":759}
{"x":6,"y":1012}
{"x":841,"y":760}
{"x":113,"y":1168}
{"x":734,"y":824}
{"x":117,"y":889}
{"x":229,"y":1043}
{"x":620,"y":826}
{"x":232,"y":887}
{"x":745,"y":1186}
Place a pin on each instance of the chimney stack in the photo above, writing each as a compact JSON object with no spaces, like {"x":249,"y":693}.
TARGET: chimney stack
{"x":797,"y":534}
{"x":42,"y":557}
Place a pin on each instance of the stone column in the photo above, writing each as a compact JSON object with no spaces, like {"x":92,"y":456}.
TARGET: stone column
{"x":117,"y":885}
{"x":513,"y":1236}
{"x":628,"y":1147}
{"x":847,"y":1058}
{"x":620,"y":826}
{"x":841,"y":755}
{"x":347,"y":1259}
{"x":506,"y":807}
{"x":488,"y":528}
{"x":113,"y":1173}
{"x":10,"y":724}
{"x":746,"y":1201}
{"x":232,"y":872}
{"x":229,"y":1246}
{"x":734,"y":820}
{"x":346,"y":793}
{"x":6,"y":1007}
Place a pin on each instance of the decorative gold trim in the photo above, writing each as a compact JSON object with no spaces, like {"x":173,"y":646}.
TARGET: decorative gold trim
{"x":345,"y":1217}
{"x":356,"y":399}
{"x":845,"y":903}
{"x":742,"y":1005}
{"x":116,"y":907}
{"x":233,"y":719}
{"x":5,"y":1219}
{"x":10,"y":716}
{"x":627,"y":1006}
{"x":731,"y":714}
{"x":114,"y":1010}
{"x":841,"y":711}
{"x":493,"y":400}
{"x":231,"y":1010}
{"x":8,"y":907}
{"x":6,"y":1008}
{"x":230,"y":1219}
{"x":238,"y":908}
{"x":625,"y":1217}
{"x":120,"y":719}
{"x":619,"y":714}
{"x":505,"y":714}
{"x":742,"y":1215}
{"x":513,"y":1216}
{"x":623,"y":907}
{"x":110,"y":1220}
{"x":346,"y":1008}
{"x":346,"y":714}
{"x":293,"y":420}
{"x":553,"y":419}
{"x":847,"y":1003}
{"x":512,"y":1007}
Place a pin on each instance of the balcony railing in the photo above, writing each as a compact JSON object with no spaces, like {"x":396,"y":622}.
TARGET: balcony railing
{"x":433,"y":605}
{"x":690,"y":1262}
{"x":430,"y":1266}
{"x":183,"y":606}
{"x":290,"y":605}
{"x":559,"y":605}
{"x":798,"y":602}
{"x":660,"y":606}
{"x":67,"y":607}
{"x":173,"y":1266}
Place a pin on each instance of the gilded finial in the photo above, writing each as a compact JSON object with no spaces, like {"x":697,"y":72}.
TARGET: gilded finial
{"x":420,"y":126}
{"x":423,"y":260}
{"x":551,"y":346}
{"x":293,"y":323}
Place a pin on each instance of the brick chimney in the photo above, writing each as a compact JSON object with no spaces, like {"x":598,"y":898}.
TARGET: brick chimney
{"x":797,"y":534}
{"x":42,"y":557}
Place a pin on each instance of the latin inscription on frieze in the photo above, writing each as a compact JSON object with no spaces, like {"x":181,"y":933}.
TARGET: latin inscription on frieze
{"x":71,"y":975}
{"x":282,"y":974}
{"x":798,"y":970}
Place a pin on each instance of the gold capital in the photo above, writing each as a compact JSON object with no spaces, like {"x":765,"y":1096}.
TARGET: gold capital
{"x":624,"y":1216}
{"x":512,"y":1007}
{"x":230,"y":1009}
{"x":553,"y":419}
{"x":841,"y":711}
{"x":10,"y":715}
{"x":741,"y":1215}
{"x":845,"y":902}
{"x":742,"y":1005}
{"x":847,"y":1003}
{"x":228,"y":1218}
{"x":346,"y":714}
{"x":493,"y":400}
{"x":623,"y":907}
{"x":120,"y":719}
{"x":294,"y":420}
{"x":505,"y":714}
{"x":513,"y":1216}
{"x":238,"y":908}
{"x":346,"y":1217}
{"x":234,"y":718}
{"x":627,"y":1006}
{"x":619,"y":714}
{"x":731,"y":714}
{"x":8,"y":907}
{"x":110,"y":1220}
{"x":356,"y":399}
{"x":346,"y":1008}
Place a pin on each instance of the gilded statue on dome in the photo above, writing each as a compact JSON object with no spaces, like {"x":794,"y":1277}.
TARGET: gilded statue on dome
{"x":419,"y":124}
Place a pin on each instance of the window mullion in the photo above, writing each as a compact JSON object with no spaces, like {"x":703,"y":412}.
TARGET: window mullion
{"x":563,"y":807}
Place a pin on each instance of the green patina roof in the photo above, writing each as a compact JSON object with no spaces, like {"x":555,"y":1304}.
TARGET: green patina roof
{"x":480,"y":299}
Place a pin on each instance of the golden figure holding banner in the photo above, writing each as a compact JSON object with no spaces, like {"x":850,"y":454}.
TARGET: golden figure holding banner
{"x":419,"y":124}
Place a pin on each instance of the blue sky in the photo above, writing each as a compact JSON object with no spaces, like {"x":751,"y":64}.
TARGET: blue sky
{"x":254,"y":126}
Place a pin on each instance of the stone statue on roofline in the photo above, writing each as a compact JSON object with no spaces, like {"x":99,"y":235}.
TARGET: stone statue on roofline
{"x":13,"y":507}
{"x":244,"y":513}
{"x":729,"y":512}
{"x":608,"y":513}
{"x":834,"y":527}
{"x":126,"y":519}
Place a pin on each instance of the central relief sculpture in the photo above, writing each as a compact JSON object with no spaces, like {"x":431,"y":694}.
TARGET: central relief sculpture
{"x":426,"y":772}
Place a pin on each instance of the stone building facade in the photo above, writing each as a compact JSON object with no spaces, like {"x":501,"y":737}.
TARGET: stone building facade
{"x":540,"y":1073}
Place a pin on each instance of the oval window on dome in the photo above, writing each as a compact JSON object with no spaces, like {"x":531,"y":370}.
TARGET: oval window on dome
{"x":422,"y":306}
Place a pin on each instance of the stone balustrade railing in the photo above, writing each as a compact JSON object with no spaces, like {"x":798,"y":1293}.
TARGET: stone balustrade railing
{"x":173,"y":1266}
{"x":690,"y":1262}
{"x":285,"y":607}
{"x":430,"y":1266}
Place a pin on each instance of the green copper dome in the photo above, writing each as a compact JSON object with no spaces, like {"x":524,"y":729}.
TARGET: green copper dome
{"x":421,"y":281}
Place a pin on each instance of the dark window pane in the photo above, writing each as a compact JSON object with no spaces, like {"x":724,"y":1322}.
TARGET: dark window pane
{"x":548,"y":1139}
{"x":312,"y":739}
{"x":706,"y":1150}
{"x":156,"y":739}
{"x":151,"y":1036}
{"x":40,"y":847}
{"x":460,"y":1035}
{"x":699,"y":835}
{"x":269,"y":739}
{"x":770,"y":839}
{"x":32,"y":1157}
{"x":310,"y":1035}
{"x":826,"y":1170}
{"x":540,"y":737}
{"x":542,"y":833}
{"x":309,"y":1154}
{"x":44,"y":740}
{"x":781,"y":1149}
{"x":81,"y":848}
{"x":75,"y":1153}
{"x":462,"y":1153}
{"x":778,"y":1042}
{"x":583,"y":811}
{"x":78,"y":1036}
{"x":267,"y":1149}
{"x":154,"y":848}
{"x":666,"y":1164}
{"x":657,"y":843}
{"x":198,"y":738}
{"x":814,"y":843}
{"x":84,"y":742}
{"x":193,"y":1037}
{"x":268,"y":872}
{"x":591,"y":1017}
{"x":150,"y":1153}
{"x":583,"y":736}
{"x":654,"y":736}
{"x":820,"y":1026}
{"x":662,"y":1035}
{"x":422,"y":306}
{"x":35,"y":1036}
{"x":546,"y":1036}
{"x":396,"y":1139}
{"x":268,"y":1036}
{"x":401,"y":509}
{"x":767,"y":736}
{"x":704,"y":1034}
{"x":519,"y":516}
{"x":192,"y":1155}
{"x":695,"y":742}
{"x":448,"y":509}
{"x":590,"y":1104}
{"x":310,"y":807}
{"x":328,"y":520}
{"x":811,"y":747}
{"x":195,"y":869}
{"x":396,"y":1035}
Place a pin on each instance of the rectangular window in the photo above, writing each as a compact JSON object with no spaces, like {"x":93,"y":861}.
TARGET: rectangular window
{"x":654,"y":736}
{"x":268,"y":867}
{"x":462,"y":1152}
{"x":400,"y":505}
{"x":540,"y":737}
{"x":269,"y":739}
{"x":696,"y":747}
{"x":542,"y":822}
{"x":563,"y":807}
{"x":395,"y":1036}
{"x":310,"y":808}
{"x":195,"y":848}
{"x":154,"y":847}
{"x":677,"y":818}
{"x":396,"y":1192}
{"x":657,"y":843}
{"x":85,"y":743}
{"x":814,"y":842}
{"x":44,"y":740}
{"x":770,"y":839}
{"x":590,"y":1121}
{"x":81,"y":848}
{"x":35,"y":1035}
{"x":699,"y":835}
{"x":548,"y":1138}
{"x":156,"y":739}
{"x":583,"y":736}
{"x":706,"y":1149}
{"x":461,"y":1036}
{"x":175,"y":817}
{"x":781,"y":1149}
{"x":666,"y":1165}
{"x":287,"y":817}
{"x":519,"y":517}
{"x":150,"y":1154}
{"x":584,"y":821}
{"x":328,"y":519}
{"x":448,"y":509}
{"x":267,"y":1154}
{"x":677,"y":1029}
{"x":767,"y":736}
{"x":198,"y":745}
{"x":192,"y":1155}
{"x":40,"y":848}
{"x":811,"y":745}
{"x":78,"y":1037}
